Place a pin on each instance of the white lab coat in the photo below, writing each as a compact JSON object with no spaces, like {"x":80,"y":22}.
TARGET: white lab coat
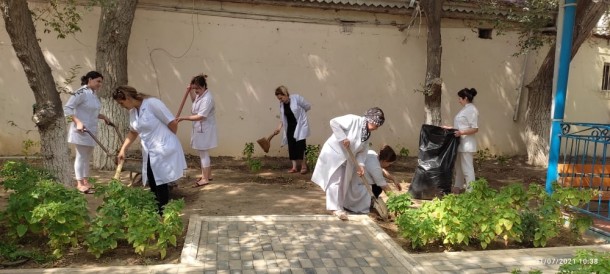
{"x":85,"y":105}
{"x":299,"y":107}
{"x":358,"y":199}
{"x":333,"y":154}
{"x":158,"y":141}
{"x":467,"y":118}
{"x":204,"y":135}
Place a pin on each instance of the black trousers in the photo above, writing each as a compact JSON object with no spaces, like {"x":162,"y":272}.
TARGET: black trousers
{"x":161,"y":191}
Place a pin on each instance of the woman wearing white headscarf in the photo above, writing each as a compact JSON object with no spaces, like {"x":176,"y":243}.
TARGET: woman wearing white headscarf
{"x":333,"y":170}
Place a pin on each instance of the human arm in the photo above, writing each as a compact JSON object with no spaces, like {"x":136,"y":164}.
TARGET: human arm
{"x":390,"y":178}
{"x":302,"y":103}
{"x":131,"y":136}
{"x":190,"y":118}
{"x":70,"y":110}
{"x":279,"y":128}
{"x":161,"y":112}
{"x":191,"y":92}
{"x":468,"y":131}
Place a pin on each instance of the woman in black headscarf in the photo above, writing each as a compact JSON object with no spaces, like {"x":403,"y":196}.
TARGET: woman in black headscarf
{"x":333,"y":169}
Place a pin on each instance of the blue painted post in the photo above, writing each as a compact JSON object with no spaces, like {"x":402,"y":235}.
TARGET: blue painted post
{"x":561,"y":77}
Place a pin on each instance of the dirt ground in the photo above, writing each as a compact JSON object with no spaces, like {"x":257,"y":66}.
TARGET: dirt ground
{"x":235,"y":191}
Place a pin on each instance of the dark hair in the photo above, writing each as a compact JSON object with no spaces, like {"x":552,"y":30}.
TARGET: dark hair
{"x":282,"y":90}
{"x":200,"y":80}
{"x":122,"y":92}
{"x":90,"y":75}
{"x":468,"y":93}
{"x":386,"y":153}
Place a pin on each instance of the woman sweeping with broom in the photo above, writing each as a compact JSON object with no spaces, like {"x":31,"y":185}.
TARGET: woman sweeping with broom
{"x":333,"y":171}
{"x":203,"y":117}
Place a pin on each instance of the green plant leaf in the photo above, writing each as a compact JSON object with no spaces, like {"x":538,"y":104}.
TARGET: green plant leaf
{"x":21,"y":230}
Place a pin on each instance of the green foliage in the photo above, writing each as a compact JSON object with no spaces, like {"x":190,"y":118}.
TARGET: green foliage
{"x":43,"y":207}
{"x":72,"y":74}
{"x":10,"y":252}
{"x":587,"y":261}
{"x":27,"y":146}
{"x":399,"y":203}
{"x":131,"y":214}
{"x":253,"y":164}
{"x":529,"y":18}
{"x":40,"y":207}
{"x":311,"y":155}
{"x":59,"y":16}
{"x":404,"y":152}
{"x":486,"y":215}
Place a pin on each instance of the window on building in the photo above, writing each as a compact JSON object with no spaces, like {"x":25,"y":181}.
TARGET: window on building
{"x":485,"y":33}
{"x":606,"y":77}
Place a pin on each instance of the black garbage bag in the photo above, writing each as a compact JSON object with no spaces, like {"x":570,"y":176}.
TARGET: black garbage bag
{"x":436,"y":158}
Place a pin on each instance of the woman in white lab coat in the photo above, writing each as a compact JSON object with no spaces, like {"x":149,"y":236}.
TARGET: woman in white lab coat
{"x":293,"y":115}
{"x":204,"y":136}
{"x":83,"y":108}
{"x":467,"y":124}
{"x":163,"y":160}
{"x":334,"y":169}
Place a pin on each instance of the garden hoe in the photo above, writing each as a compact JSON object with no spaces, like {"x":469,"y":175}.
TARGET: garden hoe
{"x":378,"y":203}
{"x":265,"y":142}
{"x":120,"y":164}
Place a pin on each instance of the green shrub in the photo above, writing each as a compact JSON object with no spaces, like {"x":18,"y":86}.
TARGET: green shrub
{"x":43,"y":207}
{"x":253,"y":164}
{"x":484,"y":214}
{"x":131,"y":214}
{"x":399,"y":203}
{"x":312,"y":152}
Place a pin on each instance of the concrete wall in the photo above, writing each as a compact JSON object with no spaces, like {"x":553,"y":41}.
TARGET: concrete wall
{"x":339,"y":69}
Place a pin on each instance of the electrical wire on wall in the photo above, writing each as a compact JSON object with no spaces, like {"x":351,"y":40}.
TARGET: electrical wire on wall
{"x":150,"y":53}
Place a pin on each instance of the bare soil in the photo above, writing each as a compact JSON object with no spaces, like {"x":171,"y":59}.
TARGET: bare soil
{"x":236,"y":191}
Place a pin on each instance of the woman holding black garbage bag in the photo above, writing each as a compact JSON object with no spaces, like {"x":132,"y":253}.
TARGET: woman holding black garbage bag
{"x":466,"y":125}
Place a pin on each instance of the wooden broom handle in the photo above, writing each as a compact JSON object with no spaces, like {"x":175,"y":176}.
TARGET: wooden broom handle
{"x":186,"y":94}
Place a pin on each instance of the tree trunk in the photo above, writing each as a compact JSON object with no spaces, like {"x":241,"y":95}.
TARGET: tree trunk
{"x":540,"y":95}
{"x":48,"y":109}
{"x":111,"y":61}
{"x":432,"y":90}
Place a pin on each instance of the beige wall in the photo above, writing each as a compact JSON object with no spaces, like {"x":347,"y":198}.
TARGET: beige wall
{"x":338,"y":72}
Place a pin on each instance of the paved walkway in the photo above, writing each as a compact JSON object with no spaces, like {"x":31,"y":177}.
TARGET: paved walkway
{"x":321,"y":244}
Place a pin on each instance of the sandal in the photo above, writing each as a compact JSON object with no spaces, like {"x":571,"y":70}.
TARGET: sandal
{"x":304,"y":171}
{"x":293,"y":170}
{"x":197,"y":184}
{"x":88,"y":191}
{"x":342,"y":215}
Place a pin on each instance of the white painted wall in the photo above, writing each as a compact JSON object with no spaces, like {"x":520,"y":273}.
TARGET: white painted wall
{"x":338,"y":72}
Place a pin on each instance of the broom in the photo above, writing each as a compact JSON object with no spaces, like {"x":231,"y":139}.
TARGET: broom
{"x":378,"y":203}
{"x":119,"y":166}
{"x":265,"y":142}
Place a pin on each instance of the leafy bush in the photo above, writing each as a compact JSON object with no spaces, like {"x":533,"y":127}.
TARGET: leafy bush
{"x":399,"y":203}
{"x":253,"y":164}
{"x":485,"y":215}
{"x":43,"y":207}
{"x":311,"y":155}
{"x":40,"y":207}
{"x":131,"y":214}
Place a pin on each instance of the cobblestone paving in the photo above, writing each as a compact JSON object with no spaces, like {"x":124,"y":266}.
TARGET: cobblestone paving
{"x":292,"y":244}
